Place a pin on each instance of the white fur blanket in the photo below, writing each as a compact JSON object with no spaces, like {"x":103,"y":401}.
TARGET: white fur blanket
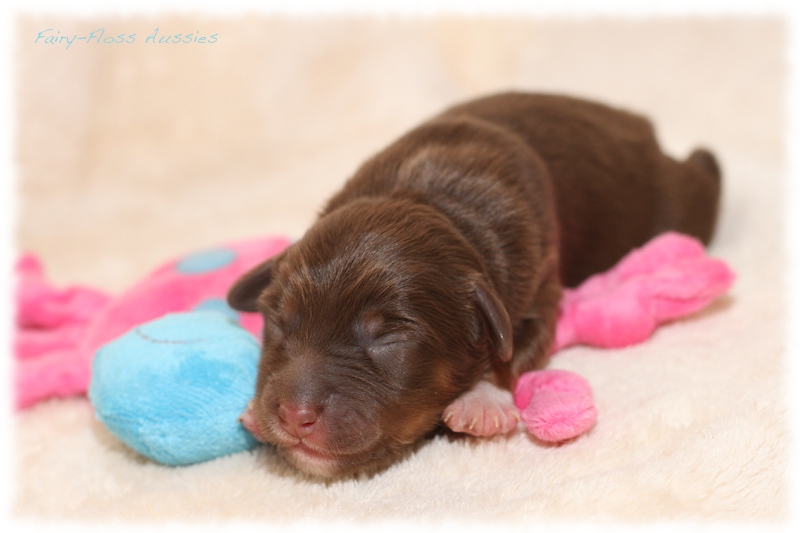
{"x":132,"y":153}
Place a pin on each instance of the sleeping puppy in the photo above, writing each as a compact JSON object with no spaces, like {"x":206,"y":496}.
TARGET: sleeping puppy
{"x":433,"y":279}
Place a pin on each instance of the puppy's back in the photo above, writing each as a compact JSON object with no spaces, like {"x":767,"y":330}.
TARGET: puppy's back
{"x":614,"y":188}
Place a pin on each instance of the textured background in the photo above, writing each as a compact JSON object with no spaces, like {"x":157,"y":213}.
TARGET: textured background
{"x":130,"y":154}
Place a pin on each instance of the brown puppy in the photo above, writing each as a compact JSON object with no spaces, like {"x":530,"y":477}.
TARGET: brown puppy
{"x":432,"y":280}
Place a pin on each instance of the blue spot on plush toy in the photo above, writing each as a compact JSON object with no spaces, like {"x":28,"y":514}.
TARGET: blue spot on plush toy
{"x":173,"y":388}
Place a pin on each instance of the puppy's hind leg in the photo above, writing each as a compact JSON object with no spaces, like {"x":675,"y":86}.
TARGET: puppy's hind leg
{"x":692,"y":198}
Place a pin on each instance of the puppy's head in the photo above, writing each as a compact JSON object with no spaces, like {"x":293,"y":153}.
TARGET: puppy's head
{"x":374,"y":322}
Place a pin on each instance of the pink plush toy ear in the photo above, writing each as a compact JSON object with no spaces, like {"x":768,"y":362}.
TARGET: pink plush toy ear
{"x":42,"y":307}
{"x":668,"y":278}
{"x":50,"y":323}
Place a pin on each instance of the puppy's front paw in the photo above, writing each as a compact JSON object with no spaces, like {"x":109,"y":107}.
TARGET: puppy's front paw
{"x":483,"y":411}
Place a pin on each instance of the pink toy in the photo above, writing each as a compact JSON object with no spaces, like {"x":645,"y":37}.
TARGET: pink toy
{"x":59,"y":331}
{"x":668,"y":278}
{"x":555,"y":405}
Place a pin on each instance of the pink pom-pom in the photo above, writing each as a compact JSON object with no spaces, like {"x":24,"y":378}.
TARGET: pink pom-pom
{"x":555,"y":405}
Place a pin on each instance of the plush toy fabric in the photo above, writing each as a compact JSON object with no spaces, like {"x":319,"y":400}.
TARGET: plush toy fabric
{"x":59,"y":331}
{"x":668,"y":278}
{"x":173,"y":388}
{"x":555,"y":405}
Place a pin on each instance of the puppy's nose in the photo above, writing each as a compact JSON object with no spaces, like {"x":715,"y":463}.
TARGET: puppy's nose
{"x":297,"y":421}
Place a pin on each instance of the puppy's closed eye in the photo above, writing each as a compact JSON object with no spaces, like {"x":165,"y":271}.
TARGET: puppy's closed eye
{"x":373,"y":326}
{"x":383,"y":337}
{"x":389,"y":346}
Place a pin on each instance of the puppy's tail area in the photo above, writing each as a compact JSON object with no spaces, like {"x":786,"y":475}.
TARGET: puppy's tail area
{"x":694,"y":186}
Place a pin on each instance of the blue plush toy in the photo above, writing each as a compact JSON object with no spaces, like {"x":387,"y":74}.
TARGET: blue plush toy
{"x":173,"y":389}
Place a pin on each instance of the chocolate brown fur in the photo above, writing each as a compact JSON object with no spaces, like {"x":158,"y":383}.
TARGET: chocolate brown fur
{"x":441,"y":262}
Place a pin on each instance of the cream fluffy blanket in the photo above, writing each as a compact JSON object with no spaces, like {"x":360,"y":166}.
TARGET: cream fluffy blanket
{"x":132,"y":153}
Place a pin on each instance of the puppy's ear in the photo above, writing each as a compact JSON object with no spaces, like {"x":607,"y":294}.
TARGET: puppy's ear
{"x":496,"y":318}
{"x":243,"y":295}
